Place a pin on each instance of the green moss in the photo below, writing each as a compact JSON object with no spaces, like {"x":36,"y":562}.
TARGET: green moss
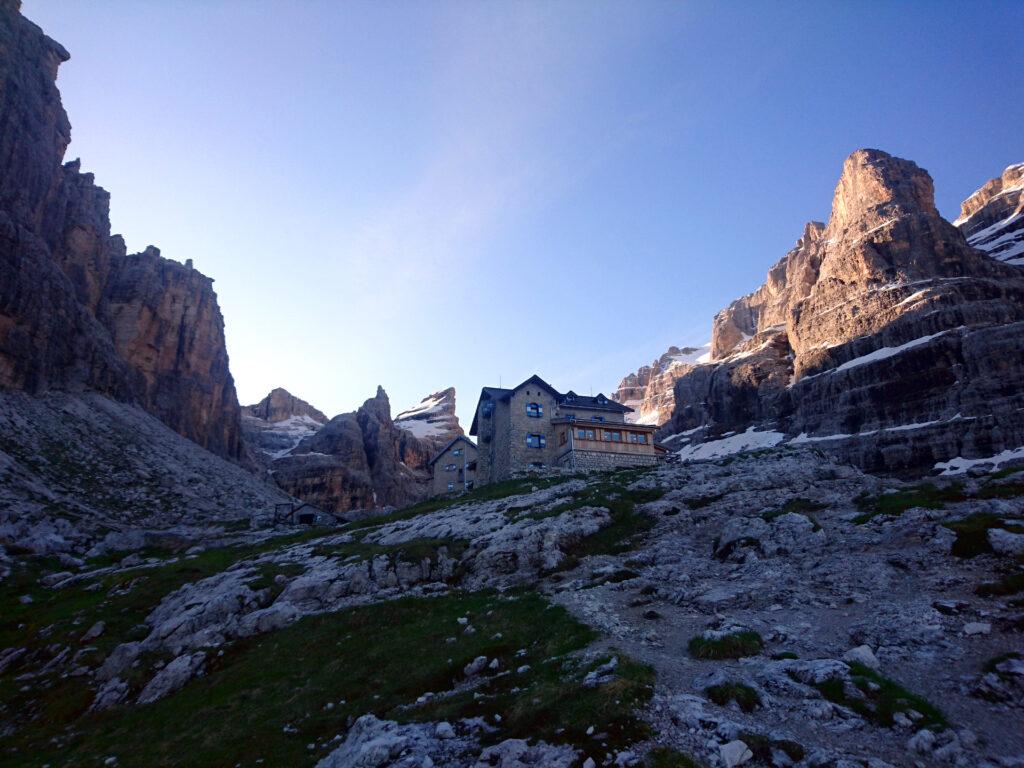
{"x":667,"y":757}
{"x":881,"y":698}
{"x":925,"y":495}
{"x":745,"y":697}
{"x":734,"y":646}
{"x":798,"y":504}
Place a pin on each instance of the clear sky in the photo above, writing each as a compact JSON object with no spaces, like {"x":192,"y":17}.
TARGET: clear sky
{"x":431,"y":194}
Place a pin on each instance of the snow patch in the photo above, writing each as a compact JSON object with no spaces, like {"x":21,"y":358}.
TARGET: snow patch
{"x":746,"y":441}
{"x":959,"y":465}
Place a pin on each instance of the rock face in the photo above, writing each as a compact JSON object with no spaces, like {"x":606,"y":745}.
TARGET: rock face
{"x":649,"y":391}
{"x":359,"y":460}
{"x":433,"y":419}
{"x":883,"y":336}
{"x":281,"y":405}
{"x":77,"y":312}
{"x":277,"y":423}
{"x":992,"y":219}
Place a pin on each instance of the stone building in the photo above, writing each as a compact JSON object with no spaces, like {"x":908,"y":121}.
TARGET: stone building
{"x":454,"y":469}
{"x":534,"y":426}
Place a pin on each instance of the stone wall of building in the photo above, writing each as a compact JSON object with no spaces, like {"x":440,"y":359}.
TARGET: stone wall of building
{"x":520,"y":425}
{"x":588,"y":460}
{"x":460,"y":476}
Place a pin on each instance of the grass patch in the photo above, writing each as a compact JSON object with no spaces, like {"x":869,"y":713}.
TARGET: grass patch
{"x":1009,"y":584}
{"x":881,"y":698}
{"x":414,"y":551}
{"x":991,"y":664}
{"x":734,"y":646}
{"x":784,"y":655}
{"x":489,"y":492}
{"x":703,"y":501}
{"x":1005,"y":472}
{"x":667,"y":757}
{"x":746,"y":698}
{"x":925,"y":495}
{"x":237,"y":712}
{"x":972,"y":533}
{"x":762,"y":747}
{"x":799,"y":505}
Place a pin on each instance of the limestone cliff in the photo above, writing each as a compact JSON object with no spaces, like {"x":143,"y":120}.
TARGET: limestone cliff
{"x":883,"y":336}
{"x":992,"y":219}
{"x":649,"y":391}
{"x":358,"y":460}
{"x":77,"y":312}
{"x":277,"y":423}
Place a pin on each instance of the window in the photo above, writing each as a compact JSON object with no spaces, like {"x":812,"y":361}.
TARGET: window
{"x":534,"y":410}
{"x":642,"y":439}
{"x":612,"y":437}
{"x":449,"y":467}
{"x":451,"y":486}
{"x":457,"y":452}
{"x":537,"y":465}
{"x":469,"y":486}
{"x":487,"y":409}
{"x":585,"y":434}
{"x":597,"y":418}
{"x":536,"y":441}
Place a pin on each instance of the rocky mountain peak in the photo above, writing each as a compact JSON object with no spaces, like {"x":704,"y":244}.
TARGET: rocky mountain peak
{"x":879,"y":336}
{"x":432,"y":418}
{"x":280,"y":405}
{"x":875,"y":186}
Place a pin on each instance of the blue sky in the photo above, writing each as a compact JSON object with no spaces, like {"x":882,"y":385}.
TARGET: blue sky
{"x":431,"y":194}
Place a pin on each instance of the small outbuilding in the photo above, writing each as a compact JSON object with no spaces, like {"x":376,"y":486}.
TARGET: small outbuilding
{"x":454,"y":468}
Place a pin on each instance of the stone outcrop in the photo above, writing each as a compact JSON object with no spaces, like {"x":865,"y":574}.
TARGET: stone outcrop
{"x":883,"y":336}
{"x":77,"y":312}
{"x":359,"y":460}
{"x":992,"y":219}
{"x":649,"y":391}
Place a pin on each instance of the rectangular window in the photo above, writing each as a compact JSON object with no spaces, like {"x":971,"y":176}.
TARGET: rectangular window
{"x":449,"y":467}
{"x":590,"y":434}
{"x":607,"y":437}
{"x":534,"y":410}
{"x":642,"y":439}
{"x":615,"y":437}
{"x":451,"y":486}
{"x":536,"y":441}
{"x":581,"y":434}
{"x":457,"y":452}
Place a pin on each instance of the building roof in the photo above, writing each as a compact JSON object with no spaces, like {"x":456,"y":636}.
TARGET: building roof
{"x":570,"y":399}
{"x":451,"y":442}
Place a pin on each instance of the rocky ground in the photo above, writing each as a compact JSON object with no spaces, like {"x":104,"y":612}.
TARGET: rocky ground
{"x":774,"y":609}
{"x":83,"y":474}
